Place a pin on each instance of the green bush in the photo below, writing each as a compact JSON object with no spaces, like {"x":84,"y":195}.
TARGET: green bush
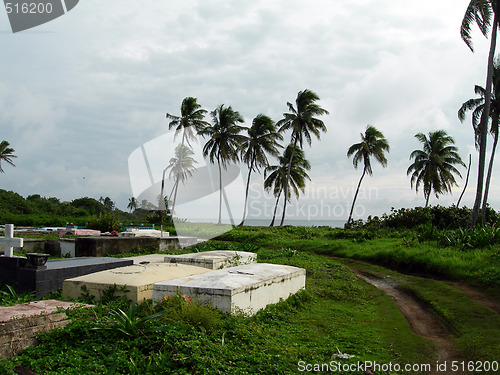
{"x":105,"y":222}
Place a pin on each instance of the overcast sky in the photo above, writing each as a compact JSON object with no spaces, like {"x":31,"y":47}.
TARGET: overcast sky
{"x":79,"y":94}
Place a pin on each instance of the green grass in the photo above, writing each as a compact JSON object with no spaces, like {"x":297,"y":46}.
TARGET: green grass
{"x":337,"y":310}
{"x":399,"y":250}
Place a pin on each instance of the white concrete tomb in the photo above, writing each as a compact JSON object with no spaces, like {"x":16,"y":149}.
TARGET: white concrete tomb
{"x":214,"y":260}
{"x":138,"y":280}
{"x":246,"y":288}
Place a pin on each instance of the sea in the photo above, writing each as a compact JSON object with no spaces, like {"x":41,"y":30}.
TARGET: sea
{"x":265,"y":222}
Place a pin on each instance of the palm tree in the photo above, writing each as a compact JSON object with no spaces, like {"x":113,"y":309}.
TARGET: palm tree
{"x":132,"y":204}
{"x":276,"y":175}
{"x":6,"y":154}
{"x":262,"y":139}
{"x":476,"y":105}
{"x":225,"y":141}
{"x":373,"y":143}
{"x":190,"y":122}
{"x":301,"y":121}
{"x":481,"y":12}
{"x":181,"y":167}
{"x":434,"y":165}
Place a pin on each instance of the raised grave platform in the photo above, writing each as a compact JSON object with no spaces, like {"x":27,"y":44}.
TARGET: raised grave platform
{"x":20,"y":324}
{"x":15,"y":272}
{"x":138,"y":280}
{"x":102,"y":246}
{"x":246,"y":288}
{"x":214,"y":260}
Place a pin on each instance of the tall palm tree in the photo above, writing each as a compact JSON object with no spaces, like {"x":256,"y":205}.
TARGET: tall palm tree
{"x":262,"y":139}
{"x":181,"y":167}
{"x":480,"y":12}
{"x":191,"y":120}
{"x":434,"y":165}
{"x":6,"y":154}
{"x":302,"y":122}
{"x":224,"y":143}
{"x":189,"y":123}
{"x":477,"y":105}
{"x":373,"y":143}
{"x":276,"y":175}
{"x":132,"y":204}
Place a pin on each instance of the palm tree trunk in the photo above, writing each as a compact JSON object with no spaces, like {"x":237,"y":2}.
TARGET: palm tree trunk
{"x":275,"y":209}
{"x":246,"y":193}
{"x":356,"y":195}
{"x":488,"y":177}
{"x":179,"y":171}
{"x":287,"y":181}
{"x":466,"y":181}
{"x":220,"y":190}
{"x":427,"y":200}
{"x":483,"y":129}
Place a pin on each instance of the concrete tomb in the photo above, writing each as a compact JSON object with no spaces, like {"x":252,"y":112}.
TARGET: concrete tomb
{"x":246,"y":288}
{"x":20,"y":324}
{"x":136,"y":281}
{"x":26,"y":275}
{"x":214,"y":260}
{"x":137,"y":232}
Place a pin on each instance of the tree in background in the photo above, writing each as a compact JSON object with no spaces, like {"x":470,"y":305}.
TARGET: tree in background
{"x":434,"y":165}
{"x":481,"y":12}
{"x":181,"y":167}
{"x":477,"y":105}
{"x":224,"y":143}
{"x":302,"y":122}
{"x":6,"y":154}
{"x":373,"y":143}
{"x":276,"y":175}
{"x":262,"y":139}
{"x":132,"y":204}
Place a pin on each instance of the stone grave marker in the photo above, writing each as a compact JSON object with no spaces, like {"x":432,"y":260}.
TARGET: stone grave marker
{"x":9,"y":241}
{"x":246,"y":288}
{"x":214,"y":260}
{"x":136,"y":281}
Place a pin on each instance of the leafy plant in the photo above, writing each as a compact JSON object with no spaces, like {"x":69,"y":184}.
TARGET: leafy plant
{"x":131,"y":324}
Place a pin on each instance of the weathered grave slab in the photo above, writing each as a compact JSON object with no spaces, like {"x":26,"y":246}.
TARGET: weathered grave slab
{"x":137,"y":279}
{"x":246,"y":288}
{"x":102,"y":246}
{"x":148,"y":258}
{"x":78,"y":232}
{"x":137,"y":232}
{"x":20,"y":324}
{"x":15,"y":272}
{"x":214,"y":260}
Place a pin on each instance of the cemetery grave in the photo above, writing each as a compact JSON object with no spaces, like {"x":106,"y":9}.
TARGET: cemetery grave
{"x":246,"y":288}
{"x":135,"y":282}
{"x":20,"y":324}
{"x":214,"y":260}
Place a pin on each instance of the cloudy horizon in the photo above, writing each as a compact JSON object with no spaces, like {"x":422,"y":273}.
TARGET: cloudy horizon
{"x":81,"y":93}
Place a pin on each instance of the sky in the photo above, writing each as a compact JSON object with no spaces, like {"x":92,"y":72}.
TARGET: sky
{"x":80,"y":95}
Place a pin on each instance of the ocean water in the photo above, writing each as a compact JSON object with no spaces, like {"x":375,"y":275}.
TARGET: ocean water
{"x":292,"y":222}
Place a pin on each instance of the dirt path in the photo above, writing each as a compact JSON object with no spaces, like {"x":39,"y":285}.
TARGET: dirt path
{"x":421,"y":321}
{"x":478,"y":296}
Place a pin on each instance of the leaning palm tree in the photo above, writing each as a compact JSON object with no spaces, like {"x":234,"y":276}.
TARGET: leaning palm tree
{"x":434,"y":165}
{"x":262,"y":139}
{"x":132,"y":204}
{"x":6,"y":154}
{"x":276,"y":175}
{"x":481,"y":12}
{"x":373,"y":143}
{"x":189,"y":123}
{"x":224,"y":143}
{"x":302,"y":122}
{"x":477,"y":105}
{"x":181,"y":167}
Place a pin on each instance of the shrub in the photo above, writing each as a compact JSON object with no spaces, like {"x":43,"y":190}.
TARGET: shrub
{"x":105,"y":222}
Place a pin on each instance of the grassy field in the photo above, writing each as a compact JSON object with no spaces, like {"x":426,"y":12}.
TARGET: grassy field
{"x":337,"y":312}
